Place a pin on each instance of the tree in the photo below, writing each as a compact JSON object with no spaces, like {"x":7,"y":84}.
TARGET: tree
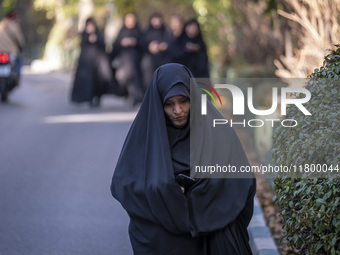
{"x":69,"y":16}
{"x":310,"y":207}
{"x":241,"y":29}
{"x":317,"y":31}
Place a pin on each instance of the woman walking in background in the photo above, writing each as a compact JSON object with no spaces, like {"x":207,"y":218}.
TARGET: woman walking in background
{"x":93,"y":74}
{"x":174,"y":30}
{"x":154,"y":47}
{"x":126,"y":57}
{"x":191,"y":51}
{"x":211,"y":216}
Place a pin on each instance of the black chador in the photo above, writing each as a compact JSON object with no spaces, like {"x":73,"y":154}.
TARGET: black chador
{"x":213,"y":215}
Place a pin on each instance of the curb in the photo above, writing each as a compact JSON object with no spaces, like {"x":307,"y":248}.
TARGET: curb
{"x":260,"y":237}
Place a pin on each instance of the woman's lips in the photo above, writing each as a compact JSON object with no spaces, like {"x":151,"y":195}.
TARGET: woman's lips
{"x":179,"y":118}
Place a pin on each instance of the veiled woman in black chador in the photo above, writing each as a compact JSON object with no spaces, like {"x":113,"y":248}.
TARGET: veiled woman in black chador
{"x":212,"y":216}
{"x":93,"y":76}
{"x":154,"y":47}
{"x":190,"y":50}
{"x":126,"y":56}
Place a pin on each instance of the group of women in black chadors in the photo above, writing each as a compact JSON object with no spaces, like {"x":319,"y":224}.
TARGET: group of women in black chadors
{"x":136,"y":54}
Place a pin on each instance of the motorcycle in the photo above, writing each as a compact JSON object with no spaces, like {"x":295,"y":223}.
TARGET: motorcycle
{"x":9,"y":78}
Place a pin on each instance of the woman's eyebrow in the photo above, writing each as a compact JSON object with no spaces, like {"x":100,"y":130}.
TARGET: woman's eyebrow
{"x":184,"y":97}
{"x":169,"y":101}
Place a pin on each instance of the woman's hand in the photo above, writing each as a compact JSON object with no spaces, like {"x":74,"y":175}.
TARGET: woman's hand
{"x":153,"y":47}
{"x":128,"y":42}
{"x":163,"y":46}
{"x":192,"y":47}
{"x":182,"y":188}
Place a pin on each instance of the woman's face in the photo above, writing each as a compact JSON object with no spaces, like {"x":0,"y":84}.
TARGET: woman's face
{"x":90,"y":27}
{"x":156,"y":22}
{"x":177,"y":109}
{"x":130,"y":21}
{"x":176,"y":25}
{"x":192,"y":30}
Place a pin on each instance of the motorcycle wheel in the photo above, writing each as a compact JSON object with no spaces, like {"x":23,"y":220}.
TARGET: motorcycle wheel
{"x":3,"y":92}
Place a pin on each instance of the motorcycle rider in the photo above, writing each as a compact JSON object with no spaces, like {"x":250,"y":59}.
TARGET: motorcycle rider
{"x":11,"y":38}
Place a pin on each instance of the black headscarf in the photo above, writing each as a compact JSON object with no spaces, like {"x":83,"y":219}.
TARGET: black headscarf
{"x":179,"y":138}
{"x":154,"y":34}
{"x":124,"y":32}
{"x":144,"y":180}
{"x":93,"y":75}
{"x":146,"y":185}
{"x":197,"y":61}
{"x":85,"y":36}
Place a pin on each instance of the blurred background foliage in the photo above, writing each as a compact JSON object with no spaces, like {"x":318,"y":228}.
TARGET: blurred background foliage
{"x":245,"y":38}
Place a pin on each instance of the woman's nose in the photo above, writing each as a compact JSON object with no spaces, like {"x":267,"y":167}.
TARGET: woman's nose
{"x":177,"y":108}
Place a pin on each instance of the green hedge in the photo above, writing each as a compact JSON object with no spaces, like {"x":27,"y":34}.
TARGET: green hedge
{"x":311,"y":207}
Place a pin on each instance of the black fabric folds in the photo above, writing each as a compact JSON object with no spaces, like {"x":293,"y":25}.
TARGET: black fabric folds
{"x":212,"y":217}
{"x":179,"y":138}
{"x":154,"y":34}
{"x":124,"y":33}
{"x":127,"y":63}
{"x":196,"y":61}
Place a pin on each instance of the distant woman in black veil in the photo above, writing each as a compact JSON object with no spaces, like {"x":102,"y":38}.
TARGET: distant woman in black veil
{"x":212,"y":216}
{"x":93,"y":75}
{"x":126,"y":56}
{"x":190,"y":50}
{"x":173,"y":32}
{"x":154,"y":47}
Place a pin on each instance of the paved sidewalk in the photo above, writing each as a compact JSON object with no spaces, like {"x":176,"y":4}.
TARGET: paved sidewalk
{"x":261,"y":240}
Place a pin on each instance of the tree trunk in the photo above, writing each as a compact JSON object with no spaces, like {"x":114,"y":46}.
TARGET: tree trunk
{"x":85,"y":10}
{"x":53,"y":54}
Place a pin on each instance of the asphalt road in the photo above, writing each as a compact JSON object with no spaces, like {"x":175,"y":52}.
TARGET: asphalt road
{"x":56,"y":165}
